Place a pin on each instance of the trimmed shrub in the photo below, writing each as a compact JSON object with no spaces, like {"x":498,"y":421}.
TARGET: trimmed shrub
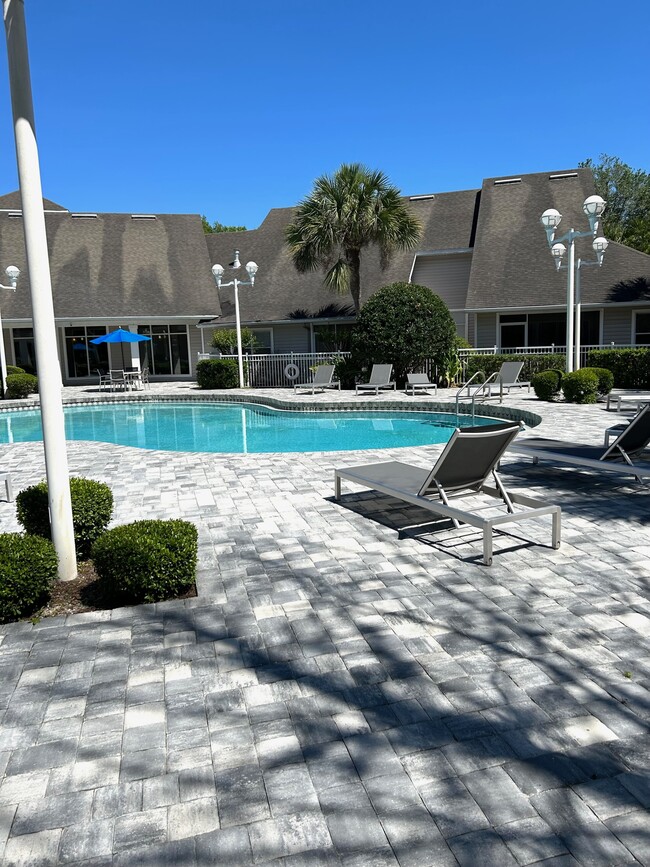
{"x":12,"y":369}
{"x":605,"y":379}
{"x":546,"y":384}
{"x":148,"y":560}
{"x":402,"y":324}
{"x":21,"y":385}
{"x":580,"y":386}
{"x":631,"y":367}
{"x":28,"y":567}
{"x":92,"y":507}
{"x":218,"y":373}
{"x":532,"y":364}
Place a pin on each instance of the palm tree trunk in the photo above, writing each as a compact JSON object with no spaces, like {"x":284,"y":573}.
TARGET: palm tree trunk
{"x":354,"y":263}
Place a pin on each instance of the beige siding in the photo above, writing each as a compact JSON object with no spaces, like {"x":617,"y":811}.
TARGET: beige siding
{"x":617,"y":325}
{"x":486,"y":330}
{"x":447,"y":276}
{"x":291,"y":338}
{"x":471,"y":330}
{"x":195,"y":344}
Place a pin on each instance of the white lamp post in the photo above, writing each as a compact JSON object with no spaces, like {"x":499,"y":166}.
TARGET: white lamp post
{"x":593,"y":208}
{"x":12,"y":273}
{"x":217,"y":273}
{"x":47,"y":358}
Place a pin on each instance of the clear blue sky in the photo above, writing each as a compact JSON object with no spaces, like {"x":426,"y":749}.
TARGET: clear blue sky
{"x":232,"y":108}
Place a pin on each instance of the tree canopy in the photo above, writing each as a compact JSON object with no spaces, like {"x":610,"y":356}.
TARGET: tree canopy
{"x":627,"y":193}
{"x":403,"y":324}
{"x":209,"y":227}
{"x":345,"y":213}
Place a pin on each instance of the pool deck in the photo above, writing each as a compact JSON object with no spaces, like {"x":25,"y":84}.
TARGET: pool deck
{"x":336,"y":694}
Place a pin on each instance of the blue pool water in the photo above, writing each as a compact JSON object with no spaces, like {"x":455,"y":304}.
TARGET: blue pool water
{"x":226,"y":427}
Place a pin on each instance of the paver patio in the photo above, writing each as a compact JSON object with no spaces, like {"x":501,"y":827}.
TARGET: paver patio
{"x":337,"y":694}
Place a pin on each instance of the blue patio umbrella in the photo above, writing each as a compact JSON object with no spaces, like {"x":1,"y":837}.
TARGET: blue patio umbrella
{"x":120,"y":335}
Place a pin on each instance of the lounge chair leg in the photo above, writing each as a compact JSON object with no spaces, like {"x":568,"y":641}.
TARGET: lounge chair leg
{"x":487,"y":545}
{"x":337,"y":486}
{"x":557,"y":528}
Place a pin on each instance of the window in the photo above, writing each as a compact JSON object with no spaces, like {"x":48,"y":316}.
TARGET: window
{"x":263,"y":341}
{"x":513,"y":330}
{"x":168,"y":351}
{"x":642,"y":329}
{"x":546,"y":329}
{"x":84,"y":358}
{"x":24,"y":351}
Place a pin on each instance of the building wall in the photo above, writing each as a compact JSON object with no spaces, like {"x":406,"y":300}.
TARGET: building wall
{"x":291,"y":338}
{"x":486,"y":330}
{"x":446,"y":275}
{"x":617,"y":325}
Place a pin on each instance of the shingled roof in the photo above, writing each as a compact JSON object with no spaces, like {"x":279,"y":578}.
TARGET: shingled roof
{"x":512,"y":266}
{"x":115,"y":265}
{"x":448,"y":222}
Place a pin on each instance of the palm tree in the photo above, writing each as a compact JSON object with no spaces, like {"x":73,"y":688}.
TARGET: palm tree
{"x":346,"y":212}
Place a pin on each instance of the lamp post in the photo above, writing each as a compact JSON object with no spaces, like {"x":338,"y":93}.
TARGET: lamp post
{"x":217,"y":273}
{"x":593,"y":208}
{"x":13,"y":274}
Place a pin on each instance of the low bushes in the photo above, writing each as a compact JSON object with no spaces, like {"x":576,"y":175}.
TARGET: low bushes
{"x":92,"y":507}
{"x":605,"y":379}
{"x":218,"y":373}
{"x":630,"y":367}
{"x":532,"y":364}
{"x":20,"y":385}
{"x":580,"y":386}
{"x":28,"y":566}
{"x":148,"y":560}
{"x":12,"y":369}
{"x":546,"y":384}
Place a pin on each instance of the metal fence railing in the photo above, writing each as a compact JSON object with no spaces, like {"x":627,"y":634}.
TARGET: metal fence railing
{"x":280,"y":370}
{"x":552,"y":349}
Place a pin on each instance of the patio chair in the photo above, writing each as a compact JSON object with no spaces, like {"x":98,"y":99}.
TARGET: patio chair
{"x":322,"y":380}
{"x":617,"y":458}
{"x":505,"y":379}
{"x":419,"y":381}
{"x":104,"y":379}
{"x":6,"y":478}
{"x":379,"y":379}
{"x":466,"y":462}
{"x":117,"y":380}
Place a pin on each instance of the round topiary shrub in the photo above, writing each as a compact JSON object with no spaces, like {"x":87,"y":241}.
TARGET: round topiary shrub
{"x":12,"y":369}
{"x":218,"y":373}
{"x":28,"y":567}
{"x":580,"y":386}
{"x":148,"y":560}
{"x":546,"y":384}
{"x":20,"y":385}
{"x":92,"y":508}
{"x":605,"y":379}
{"x":402,"y":324}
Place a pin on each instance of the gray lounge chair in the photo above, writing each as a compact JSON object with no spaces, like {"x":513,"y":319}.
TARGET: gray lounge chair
{"x":506,"y":379}
{"x":379,"y":379}
{"x":466,"y":462}
{"x":420,"y":381}
{"x":322,"y":379}
{"x":621,"y":457}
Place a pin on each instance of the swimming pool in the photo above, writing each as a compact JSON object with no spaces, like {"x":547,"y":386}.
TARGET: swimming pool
{"x":240,"y":428}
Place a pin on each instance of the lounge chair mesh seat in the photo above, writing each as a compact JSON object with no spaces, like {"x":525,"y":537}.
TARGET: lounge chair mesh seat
{"x":415,"y":381}
{"x":506,"y":378}
{"x":620,"y":457}
{"x":467,"y":461}
{"x":379,"y":379}
{"x":322,"y":379}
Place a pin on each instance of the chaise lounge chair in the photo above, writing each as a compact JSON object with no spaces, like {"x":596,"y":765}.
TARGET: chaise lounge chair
{"x":505,"y":379}
{"x":421,"y":381}
{"x":322,"y":380}
{"x":379,"y":379}
{"x":468,"y":459}
{"x":617,"y":458}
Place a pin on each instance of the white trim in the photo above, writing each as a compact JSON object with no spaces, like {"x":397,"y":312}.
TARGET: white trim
{"x":634,"y":329}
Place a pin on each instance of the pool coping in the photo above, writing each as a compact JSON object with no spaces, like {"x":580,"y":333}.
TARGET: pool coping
{"x":499,"y":411}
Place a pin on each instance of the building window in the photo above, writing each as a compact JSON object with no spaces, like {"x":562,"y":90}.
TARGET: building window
{"x":513,"y":330}
{"x":642,"y":329}
{"x":546,"y":329}
{"x":24,"y":351}
{"x":263,"y":341}
{"x":84,"y":358}
{"x":168,"y":351}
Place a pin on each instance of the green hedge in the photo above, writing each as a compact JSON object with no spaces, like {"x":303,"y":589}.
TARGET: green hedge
{"x":148,"y":560}
{"x":28,"y":567}
{"x":12,"y":369}
{"x":92,"y":507}
{"x":546,"y":383}
{"x":605,"y":379}
{"x":532,"y":364}
{"x":218,"y":373}
{"x":20,"y":385}
{"x":580,"y":386}
{"x":631,"y":367}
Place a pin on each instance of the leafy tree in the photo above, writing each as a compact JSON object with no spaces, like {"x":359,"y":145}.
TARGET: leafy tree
{"x":225,"y":340}
{"x":209,"y":227}
{"x":627,"y":193}
{"x":346,"y":212}
{"x":403,"y":324}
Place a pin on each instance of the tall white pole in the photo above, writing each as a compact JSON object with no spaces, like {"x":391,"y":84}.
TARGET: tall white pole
{"x":570,"y":295}
{"x":578,"y":325}
{"x":240,"y":361}
{"x":49,"y":373}
{"x":3,"y":360}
